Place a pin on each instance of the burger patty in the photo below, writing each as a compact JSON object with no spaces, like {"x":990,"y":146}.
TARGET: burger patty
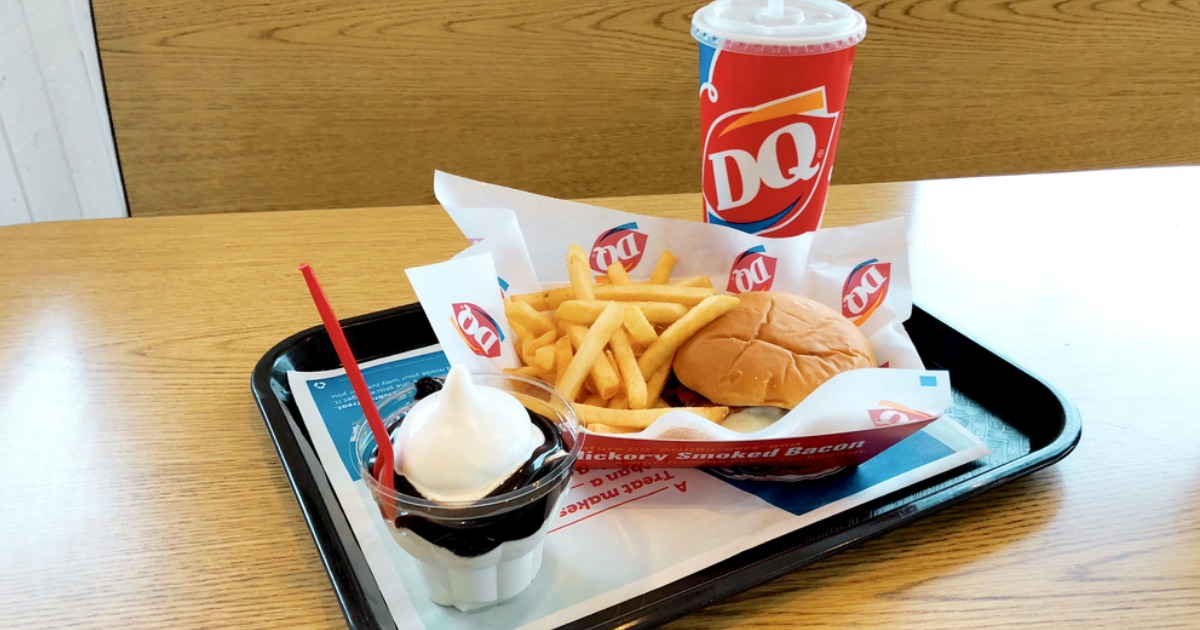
{"x":740,"y":419}
{"x":677,"y":394}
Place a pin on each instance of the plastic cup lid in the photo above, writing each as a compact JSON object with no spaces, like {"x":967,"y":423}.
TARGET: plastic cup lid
{"x":790,"y":27}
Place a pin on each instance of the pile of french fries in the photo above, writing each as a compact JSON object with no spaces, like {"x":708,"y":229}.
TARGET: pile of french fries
{"x":607,"y":343}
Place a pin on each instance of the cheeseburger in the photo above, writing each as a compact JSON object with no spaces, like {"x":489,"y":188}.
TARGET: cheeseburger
{"x":767,"y":354}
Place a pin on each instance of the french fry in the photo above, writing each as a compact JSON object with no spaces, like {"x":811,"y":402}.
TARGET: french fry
{"x":593,"y":400}
{"x":627,"y":366}
{"x":662,"y":269}
{"x":602,"y":377}
{"x":654,"y":293}
{"x":694,"y":281}
{"x":521,"y":331}
{"x":616,"y":273}
{"x":596,"y":427}
{"x":586,"y":311}
{"x":663,"y":348}
{"x":544,"y":357}
{"x":529,"y":346}
{"x":524,"y":314}
{"x":618,"y":402}
{"x":690,"y":292}
{"x":580,"y":274}
{"x":547,"y":300}
{"x":537,"y":403}
{"x":531,"y":371}
{"x":590,"y":351}
{"x":563,"y":351}
{"x":547,"y":338}
{"x":642,"y":418}
{"x":597,"y":339}
{"x":524,"y":348}
{"x":656,"y":382}
{"x":639,"y":326}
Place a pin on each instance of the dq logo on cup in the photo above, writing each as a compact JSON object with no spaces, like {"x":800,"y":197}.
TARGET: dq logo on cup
{"x":753,"y":270}
{"x":892,"y":414}
{"x":762,"y":164}
{"x":865,"y":289}
{"x":623,"y":243}
{"x":478,"y":329}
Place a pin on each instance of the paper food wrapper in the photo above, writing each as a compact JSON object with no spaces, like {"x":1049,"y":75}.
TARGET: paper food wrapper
{"x":519,"y":245}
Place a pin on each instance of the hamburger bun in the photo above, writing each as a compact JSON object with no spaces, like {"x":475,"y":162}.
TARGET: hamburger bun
{"x":773,"y":349}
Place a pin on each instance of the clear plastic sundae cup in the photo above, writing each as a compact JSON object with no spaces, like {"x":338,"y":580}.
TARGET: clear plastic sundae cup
{"x":472,"y":554}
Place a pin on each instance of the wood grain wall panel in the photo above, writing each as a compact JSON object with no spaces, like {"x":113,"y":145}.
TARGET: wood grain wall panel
{"x":225,"y":106}
{"x":294,"y":103}
{"x":947,"y":88}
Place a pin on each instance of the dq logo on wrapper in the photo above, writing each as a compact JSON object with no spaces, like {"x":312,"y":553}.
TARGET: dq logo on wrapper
{"x":478,"y":329}
{"x":762,"y":164}
{"x":753,"y":270}
{"x":865,"y":289}
{"x":892,"y":414}
{"x":623,"y":243}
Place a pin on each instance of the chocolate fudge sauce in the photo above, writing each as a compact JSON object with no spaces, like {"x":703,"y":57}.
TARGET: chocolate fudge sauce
{"x":477,"y":536}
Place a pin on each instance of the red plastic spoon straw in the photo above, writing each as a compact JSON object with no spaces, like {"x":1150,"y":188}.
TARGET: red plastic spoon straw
{"x":383,"y":461}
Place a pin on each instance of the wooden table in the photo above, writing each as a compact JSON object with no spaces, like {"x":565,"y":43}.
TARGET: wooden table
{"x":139,"y":487}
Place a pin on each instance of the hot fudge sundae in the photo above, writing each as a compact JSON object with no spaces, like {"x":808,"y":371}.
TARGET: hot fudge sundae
{"x":480,"y":465}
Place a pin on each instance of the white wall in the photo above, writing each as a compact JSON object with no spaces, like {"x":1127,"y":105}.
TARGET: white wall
{"x":57,"y":160}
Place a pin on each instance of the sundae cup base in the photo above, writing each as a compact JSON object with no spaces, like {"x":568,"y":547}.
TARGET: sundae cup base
{"x":470,"y":584}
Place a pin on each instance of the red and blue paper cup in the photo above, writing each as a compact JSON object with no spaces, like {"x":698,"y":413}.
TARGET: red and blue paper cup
{"x":773,"y":82}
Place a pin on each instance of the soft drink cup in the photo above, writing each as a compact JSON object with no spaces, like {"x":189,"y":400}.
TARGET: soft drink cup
{"x":474,"y":554}
{"x":773,"y":81}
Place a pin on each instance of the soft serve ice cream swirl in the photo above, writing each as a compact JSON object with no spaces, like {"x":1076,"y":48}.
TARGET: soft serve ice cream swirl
{"x":461,"y":443}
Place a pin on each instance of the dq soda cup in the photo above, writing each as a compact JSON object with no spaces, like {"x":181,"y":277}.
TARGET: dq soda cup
{"x":773,"y":80}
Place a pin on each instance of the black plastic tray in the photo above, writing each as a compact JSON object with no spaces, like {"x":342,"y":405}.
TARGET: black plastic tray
{"x":1025,"y":422}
